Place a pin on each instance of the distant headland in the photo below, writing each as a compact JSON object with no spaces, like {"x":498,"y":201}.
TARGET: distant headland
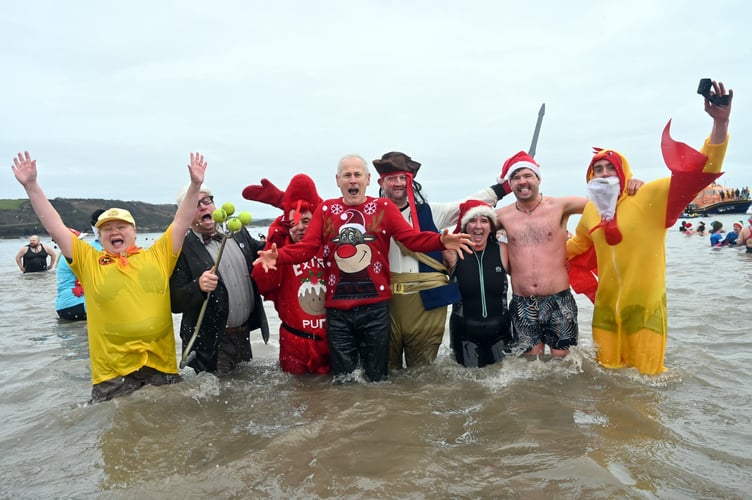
{"x":17,"y":218}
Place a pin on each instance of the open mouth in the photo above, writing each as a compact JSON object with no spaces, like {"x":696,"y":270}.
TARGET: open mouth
{"x":477,"y":236}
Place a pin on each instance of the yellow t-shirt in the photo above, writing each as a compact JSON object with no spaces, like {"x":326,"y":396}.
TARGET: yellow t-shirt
{"x":128,"y":308}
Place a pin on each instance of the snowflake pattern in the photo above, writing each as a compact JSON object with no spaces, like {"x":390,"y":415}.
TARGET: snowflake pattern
{"x":327,"y":251}
{"x":377,"y":267}
{"x":337,"y":209}
{"x":331,"y":281}
{"x":370,"y":207}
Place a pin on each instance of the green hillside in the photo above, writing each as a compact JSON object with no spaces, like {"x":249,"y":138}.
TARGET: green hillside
{"x":17,"y":219}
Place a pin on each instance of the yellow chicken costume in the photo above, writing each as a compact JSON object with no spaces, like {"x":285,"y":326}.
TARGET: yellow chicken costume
{"x":629,"y":317}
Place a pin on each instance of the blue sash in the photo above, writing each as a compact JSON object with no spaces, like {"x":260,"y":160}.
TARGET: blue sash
{"x":440,"y":296}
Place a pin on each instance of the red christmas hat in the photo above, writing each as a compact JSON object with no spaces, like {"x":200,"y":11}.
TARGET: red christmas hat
{"x":516,"y":162}
{"x":471,"y":209}
{"x":354,"y":219}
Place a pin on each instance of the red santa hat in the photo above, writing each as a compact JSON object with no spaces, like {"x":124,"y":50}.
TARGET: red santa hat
{"x":471,"y":209}
{"x":353,"y":219}
{"x":516,"y":162}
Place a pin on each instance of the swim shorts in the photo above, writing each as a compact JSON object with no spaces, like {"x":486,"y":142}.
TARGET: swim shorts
{"x":551,"y":319}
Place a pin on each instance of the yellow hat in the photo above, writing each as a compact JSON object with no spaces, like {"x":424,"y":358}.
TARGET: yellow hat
{"x":115,"y":214}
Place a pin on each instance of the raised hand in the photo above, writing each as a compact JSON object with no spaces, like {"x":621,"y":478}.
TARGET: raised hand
{"x":24,"y":168}
{"x":720,"y":114}
{"x":197,"y":168}
{"x":717,"y":111}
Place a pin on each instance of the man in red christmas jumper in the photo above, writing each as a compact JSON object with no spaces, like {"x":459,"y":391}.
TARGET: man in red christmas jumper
{"x":297,"y":291}
{"x":354,"y":231}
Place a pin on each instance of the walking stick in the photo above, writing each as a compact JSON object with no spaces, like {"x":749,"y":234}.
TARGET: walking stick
{"x":188,"y":356}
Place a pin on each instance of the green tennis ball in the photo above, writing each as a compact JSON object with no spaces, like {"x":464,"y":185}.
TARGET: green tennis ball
{"x":245,"y":218}
{"x":219,"y":215}
{"x":229,"y":208}
{"x":234,"y":224}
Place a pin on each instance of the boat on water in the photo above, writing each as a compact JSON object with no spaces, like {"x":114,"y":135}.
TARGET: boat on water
{"x":720,"y":200}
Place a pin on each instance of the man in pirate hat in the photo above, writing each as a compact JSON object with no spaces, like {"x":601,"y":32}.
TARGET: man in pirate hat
{"x":420,"y":285}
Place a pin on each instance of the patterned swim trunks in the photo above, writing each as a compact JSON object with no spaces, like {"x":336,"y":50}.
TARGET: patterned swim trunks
{"x":551,"y":319}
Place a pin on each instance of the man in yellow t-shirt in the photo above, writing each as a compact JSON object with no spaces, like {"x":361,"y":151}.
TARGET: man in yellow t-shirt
{"x":131,"y":340}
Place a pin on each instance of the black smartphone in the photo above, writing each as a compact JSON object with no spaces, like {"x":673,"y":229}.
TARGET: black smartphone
{"x":704,"y":88}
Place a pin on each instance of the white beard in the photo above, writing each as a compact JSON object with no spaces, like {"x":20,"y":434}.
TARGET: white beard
{"x":604,"y":192}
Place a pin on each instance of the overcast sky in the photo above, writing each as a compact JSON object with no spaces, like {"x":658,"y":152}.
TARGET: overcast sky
{"x":111,"y":97}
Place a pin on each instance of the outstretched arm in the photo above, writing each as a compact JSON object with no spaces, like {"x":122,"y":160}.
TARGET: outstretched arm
{"x":267,"y":258}
{"x":186,"y":210}
{"x":25,"y":170}
{"x":459,"y":243}
{"x":573,"y":205}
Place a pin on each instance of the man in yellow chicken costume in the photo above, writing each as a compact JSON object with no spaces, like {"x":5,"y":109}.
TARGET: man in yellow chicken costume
{"x":627,"y":237}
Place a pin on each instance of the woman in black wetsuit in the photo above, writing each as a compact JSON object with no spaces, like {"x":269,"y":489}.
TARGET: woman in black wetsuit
{"x":479,"y":326}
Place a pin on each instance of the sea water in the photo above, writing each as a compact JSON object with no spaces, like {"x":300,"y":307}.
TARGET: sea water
{"x":519,"y":429}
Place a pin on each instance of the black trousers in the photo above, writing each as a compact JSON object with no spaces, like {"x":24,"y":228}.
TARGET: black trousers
{"x":360,"y":334}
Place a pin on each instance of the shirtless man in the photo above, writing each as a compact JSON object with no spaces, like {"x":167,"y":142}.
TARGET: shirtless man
{"x":32,"y":258}
{"x":543,"y":309}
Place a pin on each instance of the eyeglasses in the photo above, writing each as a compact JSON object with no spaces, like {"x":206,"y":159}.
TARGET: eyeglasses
{"x":206,"y":201}
{"x":391,"y":179}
